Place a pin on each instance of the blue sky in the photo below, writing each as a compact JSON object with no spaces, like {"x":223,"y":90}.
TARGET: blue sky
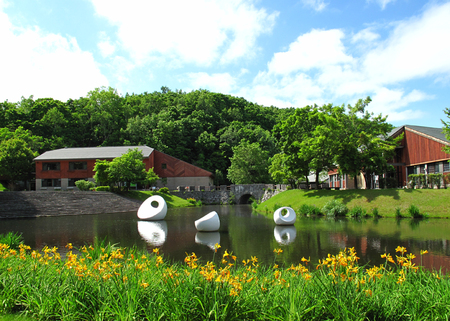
{"x":281,"y":53}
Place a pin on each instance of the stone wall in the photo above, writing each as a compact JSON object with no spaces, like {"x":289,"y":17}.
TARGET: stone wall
{"x":35,"y":204}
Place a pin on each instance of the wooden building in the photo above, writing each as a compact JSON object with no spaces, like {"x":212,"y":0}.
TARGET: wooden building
{"x":61,"y":168}
{"x":420,"y":151}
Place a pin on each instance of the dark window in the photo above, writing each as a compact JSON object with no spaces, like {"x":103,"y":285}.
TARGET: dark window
{"x":51,"y":183}
{"x":164,"y":166}
{"x":446,"y":166}
{"x":431,"y":168}
{"x":411,"y":170}
{"x":72,"y":181}
{"x":50,"y":166}
{"x":436,"y":167}
{"x":422,"y":169}
{"x":77,"y":165}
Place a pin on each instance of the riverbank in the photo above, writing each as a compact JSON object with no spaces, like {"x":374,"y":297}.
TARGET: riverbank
{"x":60,"y":203}
{"x":434,"y":202}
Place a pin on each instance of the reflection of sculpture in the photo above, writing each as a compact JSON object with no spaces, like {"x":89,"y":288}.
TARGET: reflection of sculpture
{"x":148,"y":212}
{"x":284,"y":235}
{"x":208,"y":239}
{"x":208,"y":223}
{"x":288,"y":219}
{"x":154,"y":233}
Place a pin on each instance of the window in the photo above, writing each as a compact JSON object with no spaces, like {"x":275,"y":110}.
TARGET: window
{"x":422,"y":169}
{"x":77,"y":165}
{"x":410,"y":170}
{"x":446,"y":166}
{"x":71,"y":182}
{"x":163,"y":165}
{"x":431,"y":168}
{"x":51,"y":183}
{"x":50,"y":166}
{"x":436,"y":167}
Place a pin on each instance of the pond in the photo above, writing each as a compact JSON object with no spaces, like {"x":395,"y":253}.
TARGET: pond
{"x":244,"y":233}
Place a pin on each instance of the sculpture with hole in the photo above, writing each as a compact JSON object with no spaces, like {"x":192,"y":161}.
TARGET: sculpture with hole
{"x":208,"y":223}
{"x":288,"y":219}
{"x":147,"y":210}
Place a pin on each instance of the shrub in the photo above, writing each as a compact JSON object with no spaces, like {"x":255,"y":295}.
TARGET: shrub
{"x":103,"y":189}
{"x":357,"y":211}
{"x":164,"y":190}
{"x":191,"y":200}
{"x":83,"y":185}
{"x":309,"y":210}
{"x":398,"y":212}
{"x":375,"y":212}
{"x":335,"y":208}
{"x":414,"y":212}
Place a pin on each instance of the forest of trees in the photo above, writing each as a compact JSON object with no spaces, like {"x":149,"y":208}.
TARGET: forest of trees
{"x":237,"y":140}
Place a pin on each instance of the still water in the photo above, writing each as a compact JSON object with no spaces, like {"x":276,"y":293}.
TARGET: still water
{"x":244,"y":233}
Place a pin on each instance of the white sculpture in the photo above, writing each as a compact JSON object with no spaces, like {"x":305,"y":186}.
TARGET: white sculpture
{"x":209,"y":239}
{"x":208,"y":223}
{"x":149,"y":212}
{"x":154,"y":233}
{"x":284,"y":235}
{"x":288,"y":219}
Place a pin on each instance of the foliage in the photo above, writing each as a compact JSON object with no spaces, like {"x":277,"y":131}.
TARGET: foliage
{"x":249,"y":164}
{"x":103,"y":188}
{"x":309,"y":210}
{"x":335,"y":208}
{"x":115,"y":283}
{"x":414,"y":212}
{"x":435,"y":179}
{"x":101,"y":169}
{"x":398,"y":212}
{"x":3,"y":188}
{"x":357,"y":211}
{"x":446,"y":129}
{"x":11,"y":239}
{"x":375,"y":212}
{"x":164,"y":190}
{"x":151,"y":177}
{"x":83,"y":185}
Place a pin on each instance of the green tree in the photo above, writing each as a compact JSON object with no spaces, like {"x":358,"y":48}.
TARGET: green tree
{"x":128,"y":169}
{"x":16,"y":160}
{"x":249,"y":164}
{"x":446,"y":129}
{"x":101,"y":170}
{"x":151,"y":177}
{"x":281,"y":173}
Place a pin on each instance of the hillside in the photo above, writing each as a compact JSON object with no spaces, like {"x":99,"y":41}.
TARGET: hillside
{"x":432,"y":201}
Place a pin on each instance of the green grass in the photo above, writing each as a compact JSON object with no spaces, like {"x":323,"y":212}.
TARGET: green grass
{"x":171,"y":200}
{"x":434,"y":202}
{"x":112,"y":283}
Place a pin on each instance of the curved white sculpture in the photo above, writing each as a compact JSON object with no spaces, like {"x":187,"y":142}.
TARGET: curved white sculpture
{"x":288,"y":219}
{"x":209,"y":239}
{"x":284,"y":235}
{"x":154,"y":233}
{"x":208,"y":223}
{"x":147,"y":212}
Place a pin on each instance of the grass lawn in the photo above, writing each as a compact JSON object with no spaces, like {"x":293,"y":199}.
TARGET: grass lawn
{"x":171,"y":200}
{"x":432,"y":201}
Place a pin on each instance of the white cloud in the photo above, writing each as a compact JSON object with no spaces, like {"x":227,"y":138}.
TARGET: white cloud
{"x":198,"y":31}
{"x":382,"y":3}
{"x":106,"y":47}
{"x":315,"y":49}
{"x":318,"y":67}
{"x":222,"y":82}
{"x":44,"y":65}
{"x":317,"y":5}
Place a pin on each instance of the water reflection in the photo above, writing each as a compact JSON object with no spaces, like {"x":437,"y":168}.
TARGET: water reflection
{"x":245,"y":233}
{"x":209,"y":239}
{"x":155,"y":233}
{"x":284,"y":235}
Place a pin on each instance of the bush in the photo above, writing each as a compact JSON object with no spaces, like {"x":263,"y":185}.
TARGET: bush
{"x":375,"y":212}
{"x":309,"y":210}
{"x":83,"y":185}
{"x":103,"y":189}
{"x":357,"y":211}
{"x":398,"y":212}
{"x":335,"y":208}
{"x":414,"y":212}
{"x":164,"y":190}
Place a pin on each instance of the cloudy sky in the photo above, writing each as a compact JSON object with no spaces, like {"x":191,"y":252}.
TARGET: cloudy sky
{"x":282,"y":53}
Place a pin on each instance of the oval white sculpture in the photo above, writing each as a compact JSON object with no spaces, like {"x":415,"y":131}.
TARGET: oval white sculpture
{"x":154,"y":233}
{"x":209,"y":239}
{"x":147,"y":212}
{"x":208,"y":223}
{"x":284,"y":235}
{"x":288,"y":219}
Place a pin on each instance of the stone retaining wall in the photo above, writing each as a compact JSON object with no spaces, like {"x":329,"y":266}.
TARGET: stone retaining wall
{"x":35,"y":203}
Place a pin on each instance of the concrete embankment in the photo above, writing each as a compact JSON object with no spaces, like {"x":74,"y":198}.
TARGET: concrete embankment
{"x":35,"y":204}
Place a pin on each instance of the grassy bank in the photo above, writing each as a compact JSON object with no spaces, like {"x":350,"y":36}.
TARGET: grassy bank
{"x":171,"y":200}
{"x":109,"y":283}
{"x":434,"y":202}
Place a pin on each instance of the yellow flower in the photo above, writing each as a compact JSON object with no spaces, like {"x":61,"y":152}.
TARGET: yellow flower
{"x":156,"y":251}
{"x":216,"y":247}
{"x":69,"y":246}
{"x":422,"y":252}
{"x":144,"y":284}
{"x":400,"y":249}
{"x":278,"y":251}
